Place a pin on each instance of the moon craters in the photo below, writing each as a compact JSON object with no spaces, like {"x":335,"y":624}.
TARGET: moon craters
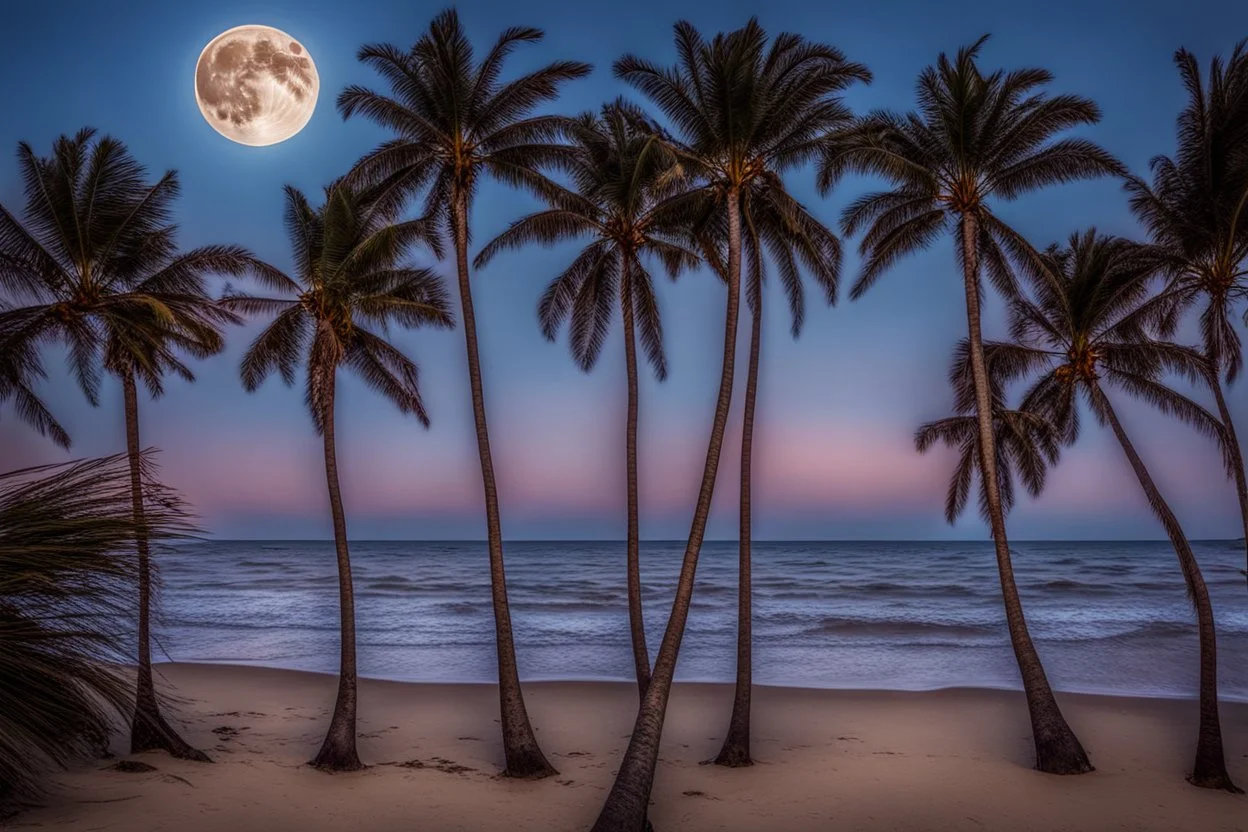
{"x":256,"y":85}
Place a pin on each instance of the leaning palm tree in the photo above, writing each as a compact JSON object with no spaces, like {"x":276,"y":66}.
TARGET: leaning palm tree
{"x":67,"y":568}
{"x":1027,"y":444}
{"x":975,"y":138}
{"x":1196,"y":212}
{"x":97,"y":265}
{"x":742,"y":109}
{"x":774,"y":225}
{"x":622,"y":173}
{"x":455,"y":125}
{"x":1084,"y":331}
{"x":350,"y":273}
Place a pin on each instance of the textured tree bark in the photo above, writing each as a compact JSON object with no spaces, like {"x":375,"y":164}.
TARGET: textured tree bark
{"x":1058,"y":750}
{"x":636,"y":616}
{"x":1209,"y":771}
{"x":1237,"y":458}
{"x":524,"y":756}
{"x":338,"y":751}
{"x":627,"y":803}
{"x":148,"y":729}
{"x":735,"y":752}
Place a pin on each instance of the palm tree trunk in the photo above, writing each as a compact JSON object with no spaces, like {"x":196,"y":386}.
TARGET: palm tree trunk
{"x":636,"y":617}
{"x":148,"y":729}
{"x":1058,"y":750}
{"x":338,"y":751}
{"x":1210,"y":769}
{"x":626,"y":805}
{"x":524,"y":756}
{"x":736,"y":750}
{"x":1236,"y":456}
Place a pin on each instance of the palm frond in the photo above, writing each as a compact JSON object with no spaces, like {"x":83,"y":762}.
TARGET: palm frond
{"x":67,"y":572}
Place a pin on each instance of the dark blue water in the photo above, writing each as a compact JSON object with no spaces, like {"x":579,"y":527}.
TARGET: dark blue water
{"x":1107,"y":617}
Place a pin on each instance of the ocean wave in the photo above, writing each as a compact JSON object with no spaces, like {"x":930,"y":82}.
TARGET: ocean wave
{"x":896,"y":628}
{"x":1076,"y":587}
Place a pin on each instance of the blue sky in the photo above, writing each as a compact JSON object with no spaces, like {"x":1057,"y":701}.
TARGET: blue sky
{"x":837,"y":408}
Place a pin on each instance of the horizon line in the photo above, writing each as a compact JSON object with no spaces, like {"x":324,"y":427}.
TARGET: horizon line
{"x":987,"y":540}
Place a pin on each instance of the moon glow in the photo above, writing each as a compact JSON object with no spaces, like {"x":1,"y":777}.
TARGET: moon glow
{"x":256,"y":85}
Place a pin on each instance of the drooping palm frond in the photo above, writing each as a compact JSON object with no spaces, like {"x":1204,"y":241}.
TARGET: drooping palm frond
{"x":1196,"y":207}
{"x":623,"y":174}
{"x":353,"y":272}
{"x":95,"y":263}
{"x":973,"y":138}
{"x":1027,"y":443}
{"x":456,"y":121}
{"x":20,"y":370}
{"x":1084,"y":323}
{"x":67,"y":572}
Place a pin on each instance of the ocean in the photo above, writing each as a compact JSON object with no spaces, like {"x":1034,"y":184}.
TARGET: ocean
{"x":1107,"y":617}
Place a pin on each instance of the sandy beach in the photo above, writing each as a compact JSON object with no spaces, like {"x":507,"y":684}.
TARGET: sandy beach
{"x":945,"y":760}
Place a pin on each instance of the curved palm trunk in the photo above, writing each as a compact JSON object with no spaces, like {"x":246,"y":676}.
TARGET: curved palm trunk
{"x":625,"y":808}
{"x":524,"y":756}
{"x":1210,"y":769}
{"x":1237,"y":457}
{"x":736,"y":750}
{"x":338,"y":751}
{"x":1058,"y":750}
{"x":148,"y":729}
{"x":636,"y":617}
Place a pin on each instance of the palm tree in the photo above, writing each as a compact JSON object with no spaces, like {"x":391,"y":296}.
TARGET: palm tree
{"x":1084,"y":331}
{"x":98,"y":264}
{"x":1026,"y":443}
{"x":742,"y":109}
{"x":974,"y":138}
{"x":67,"y":571}
{"x":622,"y":173}
{"x":457,"y":124}
{"x":776,"y":225}
{"x":349,"y":274}
{"x":1195,"y":212}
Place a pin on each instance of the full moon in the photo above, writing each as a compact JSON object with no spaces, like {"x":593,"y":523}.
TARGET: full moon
{"x":256,"y":85}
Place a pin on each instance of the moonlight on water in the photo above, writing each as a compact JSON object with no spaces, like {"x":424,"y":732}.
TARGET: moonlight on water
{"x":256,"y":85}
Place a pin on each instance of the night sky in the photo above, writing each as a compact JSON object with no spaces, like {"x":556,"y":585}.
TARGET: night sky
{"x":837,"y":409}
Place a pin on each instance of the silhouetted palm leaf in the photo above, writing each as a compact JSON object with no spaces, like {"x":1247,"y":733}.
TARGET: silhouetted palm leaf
{"x":1027,"y":444}
{"x":67,"y":573}
{"x":96,"y":267}
{"x":352,"y":271}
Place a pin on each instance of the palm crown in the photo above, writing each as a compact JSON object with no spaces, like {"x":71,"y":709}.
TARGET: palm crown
{"x":453,"y":118}
{"x":97,"y":265}
{"x":1085,"y":323}
{"x":349,"y":273}
{"x":623,"y":175}
{"x":740,"y":108}
{"x":777,"y":226}
{"x":973,"y":137}
{"x":1027,"y":444}
{"x":1196,"y":209}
